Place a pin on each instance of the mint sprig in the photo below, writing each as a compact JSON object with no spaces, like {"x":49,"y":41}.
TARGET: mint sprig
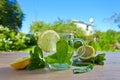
{"x":99,"y":59}
{"x":83,"y":67}
{"x":37,"y":59}
{"x":61,"y":55}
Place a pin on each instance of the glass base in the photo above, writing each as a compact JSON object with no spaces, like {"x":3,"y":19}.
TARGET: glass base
{"x":58,"y":66}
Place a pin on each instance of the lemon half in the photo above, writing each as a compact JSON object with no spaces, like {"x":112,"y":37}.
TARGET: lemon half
{"x":20,"y":63}
{"x":47,"y":40}
{"x":88,"y":54}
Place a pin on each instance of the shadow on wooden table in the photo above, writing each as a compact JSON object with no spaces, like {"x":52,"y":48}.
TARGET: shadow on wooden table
{"x":9,"y":71}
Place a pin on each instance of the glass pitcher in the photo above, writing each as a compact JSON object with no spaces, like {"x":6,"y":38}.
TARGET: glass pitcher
{"x":69,"y":38}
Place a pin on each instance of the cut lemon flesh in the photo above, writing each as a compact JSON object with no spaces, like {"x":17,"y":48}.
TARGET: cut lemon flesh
{"x":47,"y":40}
{"x":20,"y":63}
{"x":87,"y":54}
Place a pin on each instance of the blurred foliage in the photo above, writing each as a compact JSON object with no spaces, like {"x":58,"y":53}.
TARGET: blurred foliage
{"x":115,"y":17}
{"x":39,"y":26}
{"x":32,"y":40}
{"x":106,"y":41}
{"x":59,"y":26}
{"x":11,"y":15}
{"x":101,"y":41}
{"x":12,"y":41}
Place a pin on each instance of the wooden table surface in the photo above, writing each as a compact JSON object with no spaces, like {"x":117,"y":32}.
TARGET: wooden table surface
{"x":110,"y":71}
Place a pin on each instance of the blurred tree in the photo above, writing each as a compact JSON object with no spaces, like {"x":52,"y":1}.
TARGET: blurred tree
{"x":97,"y":35}
{"x":116,"y":19}
{"x":68,"y":27}
{"x":107,"y":39}
{"x":59,"y":26}
{"x":39,"y":26}
{"x":11,"y":15}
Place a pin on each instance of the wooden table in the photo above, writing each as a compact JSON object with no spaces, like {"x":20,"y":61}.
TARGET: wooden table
{"x":110,"y":71}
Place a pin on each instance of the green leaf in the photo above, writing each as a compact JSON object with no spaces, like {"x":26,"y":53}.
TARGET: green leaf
{"x":83,"y":68}
{"x":38,"y":51}
{"x":51,"y":59}
{"x":37,"y":59}
{"x":99,"y":59}
{"x":62,"y":50}
{"x":61,"y":55}
{"x":77,"y":63}
{"x":68,"y":58}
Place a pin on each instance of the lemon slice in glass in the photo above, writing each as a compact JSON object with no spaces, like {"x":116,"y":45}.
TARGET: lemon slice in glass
{"x":88,"y":54}
{"x":47,"y":40}
{"x":21,"y":63}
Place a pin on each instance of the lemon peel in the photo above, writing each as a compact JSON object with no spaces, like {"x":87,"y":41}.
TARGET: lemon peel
{"x":20,"y":63}
{"x":88,"y":54}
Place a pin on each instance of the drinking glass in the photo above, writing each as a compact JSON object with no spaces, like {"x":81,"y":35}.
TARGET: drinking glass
{"x":69,"y":37}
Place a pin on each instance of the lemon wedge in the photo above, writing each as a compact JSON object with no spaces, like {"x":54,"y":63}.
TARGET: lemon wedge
{"x":20,"y":63}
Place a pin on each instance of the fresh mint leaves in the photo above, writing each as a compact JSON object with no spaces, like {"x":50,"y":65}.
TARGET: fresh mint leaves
{"x":62,"y":55}
{"x":37,"y":59}
{"x":83,"y":67}
{"x":99,"y":59}
{"x":62,"y":50}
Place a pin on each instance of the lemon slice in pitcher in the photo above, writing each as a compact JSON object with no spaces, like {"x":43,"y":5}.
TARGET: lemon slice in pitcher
{"x":88,"y":54}
{"x":20,"y":63}
{"x":47,"y":40}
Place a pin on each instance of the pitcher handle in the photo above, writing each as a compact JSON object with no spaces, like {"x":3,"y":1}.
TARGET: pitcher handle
{"x":76,"y":57}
